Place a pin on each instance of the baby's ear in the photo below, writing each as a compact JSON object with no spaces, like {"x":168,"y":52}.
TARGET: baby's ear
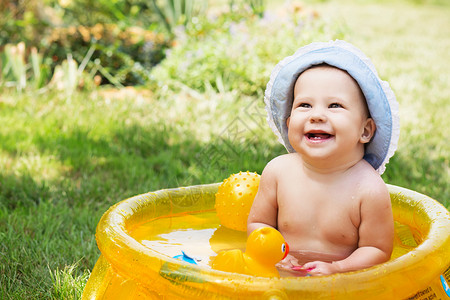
{"x":368,"y":131}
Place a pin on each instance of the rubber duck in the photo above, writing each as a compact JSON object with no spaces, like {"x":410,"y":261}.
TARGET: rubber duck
{"x":265,"y":247}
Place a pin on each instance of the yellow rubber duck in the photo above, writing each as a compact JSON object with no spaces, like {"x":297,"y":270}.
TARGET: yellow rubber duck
{"x":265,"y":247}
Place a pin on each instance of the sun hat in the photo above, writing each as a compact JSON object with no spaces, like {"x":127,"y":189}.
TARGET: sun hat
{"x":383,"y":106}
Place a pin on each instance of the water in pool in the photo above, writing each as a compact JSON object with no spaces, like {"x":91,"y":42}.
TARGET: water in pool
{"x":201,"y":236}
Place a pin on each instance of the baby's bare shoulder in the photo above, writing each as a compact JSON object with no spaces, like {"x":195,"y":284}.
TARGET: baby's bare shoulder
{"x":284,"y":160}
{"x":281,"y":164}
{"x":371,"y":185}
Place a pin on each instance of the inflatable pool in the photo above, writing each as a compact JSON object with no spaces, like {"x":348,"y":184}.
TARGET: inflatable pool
{"x":138,"y":238}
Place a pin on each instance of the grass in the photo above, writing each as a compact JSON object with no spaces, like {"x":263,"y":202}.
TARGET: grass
{"x":66,"y":161}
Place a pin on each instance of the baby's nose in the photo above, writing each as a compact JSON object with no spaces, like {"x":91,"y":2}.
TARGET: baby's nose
{"x":317,"y":115}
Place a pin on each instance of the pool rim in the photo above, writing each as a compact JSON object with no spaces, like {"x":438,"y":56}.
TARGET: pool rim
{"x":112,"y":238}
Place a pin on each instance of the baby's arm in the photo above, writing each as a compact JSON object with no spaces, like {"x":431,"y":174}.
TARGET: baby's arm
{"x":264,"y":209}
{"x":376,"y":234}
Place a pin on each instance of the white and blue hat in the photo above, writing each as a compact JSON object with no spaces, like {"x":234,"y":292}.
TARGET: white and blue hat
{"x":383,"y":106}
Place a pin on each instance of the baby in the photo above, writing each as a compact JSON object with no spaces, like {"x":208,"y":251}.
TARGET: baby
{"x":339,"y":122}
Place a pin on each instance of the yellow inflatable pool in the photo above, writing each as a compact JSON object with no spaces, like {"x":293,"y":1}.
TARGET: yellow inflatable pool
{"x":133,"y":266}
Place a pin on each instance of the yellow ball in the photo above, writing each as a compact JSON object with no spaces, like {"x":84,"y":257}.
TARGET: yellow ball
{"x":235,"y":198}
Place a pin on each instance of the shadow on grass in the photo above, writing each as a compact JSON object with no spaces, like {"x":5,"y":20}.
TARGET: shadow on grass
{"x":130,"y":160}
{"x":135,"y":159}
{"x":21,"y":190}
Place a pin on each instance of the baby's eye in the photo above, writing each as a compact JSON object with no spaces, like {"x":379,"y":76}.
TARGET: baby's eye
{"x":304,"y":105}
{"x":335,"y":105}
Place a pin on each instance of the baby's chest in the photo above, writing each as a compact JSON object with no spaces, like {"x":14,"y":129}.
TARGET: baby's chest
{"x":331,"y":217}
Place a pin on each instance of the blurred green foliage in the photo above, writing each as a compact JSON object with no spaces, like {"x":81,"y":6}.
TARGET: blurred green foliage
{"x":228,"y":52}
{"x":121,"y":12}
{"x":173,"y":13}
{"x":126,"y":54}
{"x":125,"y":35}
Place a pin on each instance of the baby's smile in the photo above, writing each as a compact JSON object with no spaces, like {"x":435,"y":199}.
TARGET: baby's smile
{"x":318,"y":136}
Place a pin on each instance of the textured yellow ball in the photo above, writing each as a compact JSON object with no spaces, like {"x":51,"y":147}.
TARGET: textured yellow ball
{"x":234,"y":199}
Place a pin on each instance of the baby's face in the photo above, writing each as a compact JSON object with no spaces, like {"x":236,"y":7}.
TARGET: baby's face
{"x":329,"y":114}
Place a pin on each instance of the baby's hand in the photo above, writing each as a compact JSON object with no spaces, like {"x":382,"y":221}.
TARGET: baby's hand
{"x":317,"y":268}
{"x":288,"y":262}
{"x":290,"y":267}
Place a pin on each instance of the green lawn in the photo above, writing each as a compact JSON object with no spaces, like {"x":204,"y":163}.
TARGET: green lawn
{"x":64,"y":161}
